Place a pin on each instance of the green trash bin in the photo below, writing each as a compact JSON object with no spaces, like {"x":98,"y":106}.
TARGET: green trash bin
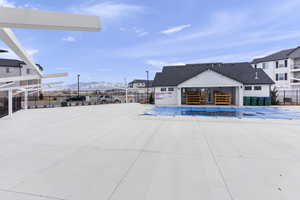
{"x":268,"y":101}
{"x":247,"y":101}
{"x":253,"y":101}
{"x":261,"y":101}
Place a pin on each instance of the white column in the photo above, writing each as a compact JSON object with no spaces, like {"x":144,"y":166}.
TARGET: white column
{"x":10,"y":102}
{"x":179,"y":96}
{"x":25,"y":99}
{"x":126,"y":95}
{"x":240,"y":96}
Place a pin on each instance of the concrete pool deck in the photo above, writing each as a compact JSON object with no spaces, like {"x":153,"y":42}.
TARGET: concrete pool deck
{"x":110,"y":152}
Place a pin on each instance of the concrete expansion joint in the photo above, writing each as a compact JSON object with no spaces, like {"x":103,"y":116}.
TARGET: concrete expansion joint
{"x":134,"y":162}
{"x":32,"y":194}
{"x":214,"y":157}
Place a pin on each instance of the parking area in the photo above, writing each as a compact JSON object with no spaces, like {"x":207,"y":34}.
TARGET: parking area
{"x":112,"y":152}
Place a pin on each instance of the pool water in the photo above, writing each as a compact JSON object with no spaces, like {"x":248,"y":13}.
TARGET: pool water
{"x":247,"y":112}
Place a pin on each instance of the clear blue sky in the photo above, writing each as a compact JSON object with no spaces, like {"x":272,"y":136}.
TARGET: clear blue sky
{"x":141,"y":35}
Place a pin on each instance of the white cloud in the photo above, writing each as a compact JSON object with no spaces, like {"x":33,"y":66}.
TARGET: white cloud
{"x":69,"y":39}
{"x":175,"y":29}
{"x":110,"y":10}
{"x":32,"y":52}
{"x":6,"y":3}
{"x":12,"y":4}
{"x":160,"y":64}
{"x":64,"y":68}
{"x":104,"y":70}
{"x":12,"y":55}
{"x":138,"y":31}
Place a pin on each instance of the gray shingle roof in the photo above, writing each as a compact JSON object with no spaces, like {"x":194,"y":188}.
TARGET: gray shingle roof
{"x":241,"y":72}
{"x":281,"y":55}
{"x":10,"y":63}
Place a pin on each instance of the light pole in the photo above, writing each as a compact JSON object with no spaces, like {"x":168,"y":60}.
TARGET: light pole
{"x":147,"y":85}
{"x":78,"y":77}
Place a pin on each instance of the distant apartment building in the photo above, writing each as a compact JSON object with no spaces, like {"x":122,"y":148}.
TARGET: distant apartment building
{"x":13,"y":68}
{"x":283,"y":67}
{"x":139,"y":83}
{"x":140,"y":89}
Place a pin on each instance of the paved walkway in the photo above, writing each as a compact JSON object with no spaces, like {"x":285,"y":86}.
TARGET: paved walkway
{"x":110,"y":152}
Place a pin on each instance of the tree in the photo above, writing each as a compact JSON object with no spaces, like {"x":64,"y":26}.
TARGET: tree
{"x":41,"y":96}
{"x":274,"y":96}
{"x":151,"y":99}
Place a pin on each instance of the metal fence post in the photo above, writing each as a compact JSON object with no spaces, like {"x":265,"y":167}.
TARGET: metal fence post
{"x":297,"y":97}
{"x":284,"y":97}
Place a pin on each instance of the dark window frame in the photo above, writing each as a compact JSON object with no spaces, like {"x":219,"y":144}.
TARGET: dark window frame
{"x":248,"y":88}
{"x":285,"y":63}
{"x":257,"y":88}
{"x":163,"y":89}
{"x":285,"y":76}
{"x":170,"y":89}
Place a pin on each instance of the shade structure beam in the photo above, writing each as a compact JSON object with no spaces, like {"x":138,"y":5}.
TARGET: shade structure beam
{"x":36,"y":19}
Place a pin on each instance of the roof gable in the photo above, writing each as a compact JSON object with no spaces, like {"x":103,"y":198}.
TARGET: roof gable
{"x":210,"y":78}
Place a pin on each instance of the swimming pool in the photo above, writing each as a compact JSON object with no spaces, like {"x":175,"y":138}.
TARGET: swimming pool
{"x":243,"y":112}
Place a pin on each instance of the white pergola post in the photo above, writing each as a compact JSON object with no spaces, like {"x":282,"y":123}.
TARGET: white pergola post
{"x":126,"y":95}
{"x":240,"y":96}
{"x":25,"y":99}
{"x":179,"y":96}
{"x":10,"y":102}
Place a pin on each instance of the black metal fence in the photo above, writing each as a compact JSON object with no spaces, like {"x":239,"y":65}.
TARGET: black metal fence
{"x":289,"y":97}
{"x":16,"y":105}
{"x":63,"y":101}
{"x":3,"y":106}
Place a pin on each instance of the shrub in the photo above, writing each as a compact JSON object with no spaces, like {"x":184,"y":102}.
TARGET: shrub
{"x":274,"y":96}
{"x":64,"y":104}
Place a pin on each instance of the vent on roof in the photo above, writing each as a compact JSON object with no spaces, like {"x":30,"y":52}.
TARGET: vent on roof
{"x":256,"y":75}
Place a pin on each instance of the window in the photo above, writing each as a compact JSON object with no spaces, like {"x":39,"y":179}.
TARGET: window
{"x":163,"y":89}
{"x":277,"y":64}
{"x":257,"y":87}
{"x":248,"y":87}
{"x":285,"y":76}
{"x":255,"y":66}
{"x":27,"y":71}
{"x":264,"y":65}
{"x":170,"y":89}
{"x":281,"y":76}
{"x":285,"y":63}
{"x":7,"y":70}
